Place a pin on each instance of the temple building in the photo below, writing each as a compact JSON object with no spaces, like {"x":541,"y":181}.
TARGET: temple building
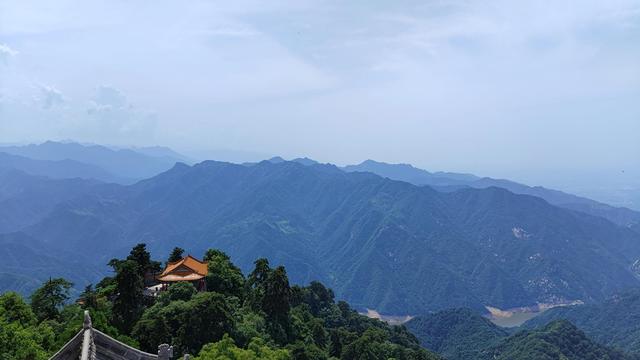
{"x":92,"y":344}
{"x":187,"y":269}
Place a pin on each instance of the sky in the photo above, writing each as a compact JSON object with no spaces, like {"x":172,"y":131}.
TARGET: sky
{"x":544,"y":92}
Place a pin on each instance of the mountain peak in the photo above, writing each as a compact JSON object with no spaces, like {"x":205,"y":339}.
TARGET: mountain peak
{"x":305,"y":161}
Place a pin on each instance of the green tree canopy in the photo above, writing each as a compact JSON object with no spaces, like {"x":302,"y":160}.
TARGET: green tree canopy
{"x":176,"y":254}
{"x":226,"y":349}
{"x":128,"y":304}
{"x":181,"y":291}
{"x":14,"y":309}
{"x":224,"y":277}
{"x":21,"y":336}
{"x":89,"y":297}
{"x":276,"y":305}
{"x":261,"y":317}
{"x":205,"y":318}
{"x":142,"y":257}
{"x":47,"y":301}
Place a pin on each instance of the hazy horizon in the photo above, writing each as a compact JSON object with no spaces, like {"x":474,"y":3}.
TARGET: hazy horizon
{"x":545,"y":93}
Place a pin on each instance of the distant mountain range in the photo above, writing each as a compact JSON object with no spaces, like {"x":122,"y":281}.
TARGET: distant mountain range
{"x":27,"y":263}
{"x":58,"y":169}
{"x":453,"y":181}
{"x":399,"y":247}
{"x":26,"y":199}
{"x":381,"y":244}
{"x":55,"y":159}
{"x":462,"y":334}
{"x":60,"y":160}
{"x":410,"y":174}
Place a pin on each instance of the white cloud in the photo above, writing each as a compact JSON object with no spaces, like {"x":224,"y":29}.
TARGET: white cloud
{"x":112,"y":116}
{"x":109,"y":96}
{"x":50,"y":97}
{"x":231,"y":31}
{"x":6,"y":52}
{"x":451,"y":82}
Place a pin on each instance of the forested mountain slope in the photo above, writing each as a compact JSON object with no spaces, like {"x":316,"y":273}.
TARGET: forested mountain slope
{"x":382,"y":244}
{"x":462,"y":334}
{"x":27,"y":263}
{"x":26,"y":199}
{"x":614,"y":322}
{"x":456,"y":334}
{"x":559,"y":340}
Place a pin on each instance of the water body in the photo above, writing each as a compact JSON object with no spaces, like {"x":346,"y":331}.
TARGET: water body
{"x":389,"y":319}
{"x":516,"y":319}
{"x":518,"y":316}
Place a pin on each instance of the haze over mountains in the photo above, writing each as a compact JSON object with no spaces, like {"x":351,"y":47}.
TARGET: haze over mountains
{"x":91,"y":161}
{"x":56,"y":169}
{"x":380,"y":243}
{"x":453,"y":181}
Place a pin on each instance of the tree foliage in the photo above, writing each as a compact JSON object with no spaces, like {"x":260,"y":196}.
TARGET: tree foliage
{"x":47,"y":301}
{"x":258,"y":317}
{"x":224,"y":277}
{"x":558,"y":340}
{"x":615,"y":322}
{"x":176,"y":254}
{"x":128,"y":304}
{"x":142,"y":257}
{"x":226,"y":349}
{"x":22,"y":336}
{"x":459,"y":334}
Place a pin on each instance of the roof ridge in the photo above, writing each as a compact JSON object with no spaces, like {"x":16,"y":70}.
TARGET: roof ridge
{"x":198,"y":266}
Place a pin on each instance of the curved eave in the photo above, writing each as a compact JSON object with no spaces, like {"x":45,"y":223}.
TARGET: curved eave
{"x":174,"y":278}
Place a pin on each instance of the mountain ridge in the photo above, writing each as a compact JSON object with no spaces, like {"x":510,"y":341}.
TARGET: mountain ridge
{"x":380,"y":243}
{"x":457,"y":334}
{"x":453,"y":181}
{"x":614,"y":322}
{"x":557,"y":340}
{"x":57,"y":169}
{"x":126,"y":164}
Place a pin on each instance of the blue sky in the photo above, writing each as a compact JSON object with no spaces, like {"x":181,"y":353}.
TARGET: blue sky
{"x":545,"y":92}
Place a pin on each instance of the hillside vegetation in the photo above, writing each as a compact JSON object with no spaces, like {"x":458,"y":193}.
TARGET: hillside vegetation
{"x":456,"y":334}
{"x":259,"y":316}
{"x":559,"y":340}
{"x":381,"y":244}
{"x":462,"y":334}
{"x":374,"y":240}
{"x":614,"y":322}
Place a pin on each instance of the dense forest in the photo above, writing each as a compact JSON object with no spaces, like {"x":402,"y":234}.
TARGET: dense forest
{"x":558,"y":340}
{"x":456,"y":334}
{"x":462,"y":334}
{"x":259,"y":316}
{"x":614,"y":322}
{"x":372,"y":240}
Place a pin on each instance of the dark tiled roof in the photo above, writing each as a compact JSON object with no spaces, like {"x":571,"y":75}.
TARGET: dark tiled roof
{"x":92,"y":344}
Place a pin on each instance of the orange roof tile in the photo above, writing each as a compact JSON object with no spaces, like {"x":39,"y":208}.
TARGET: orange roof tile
{"x":195,"y":266}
